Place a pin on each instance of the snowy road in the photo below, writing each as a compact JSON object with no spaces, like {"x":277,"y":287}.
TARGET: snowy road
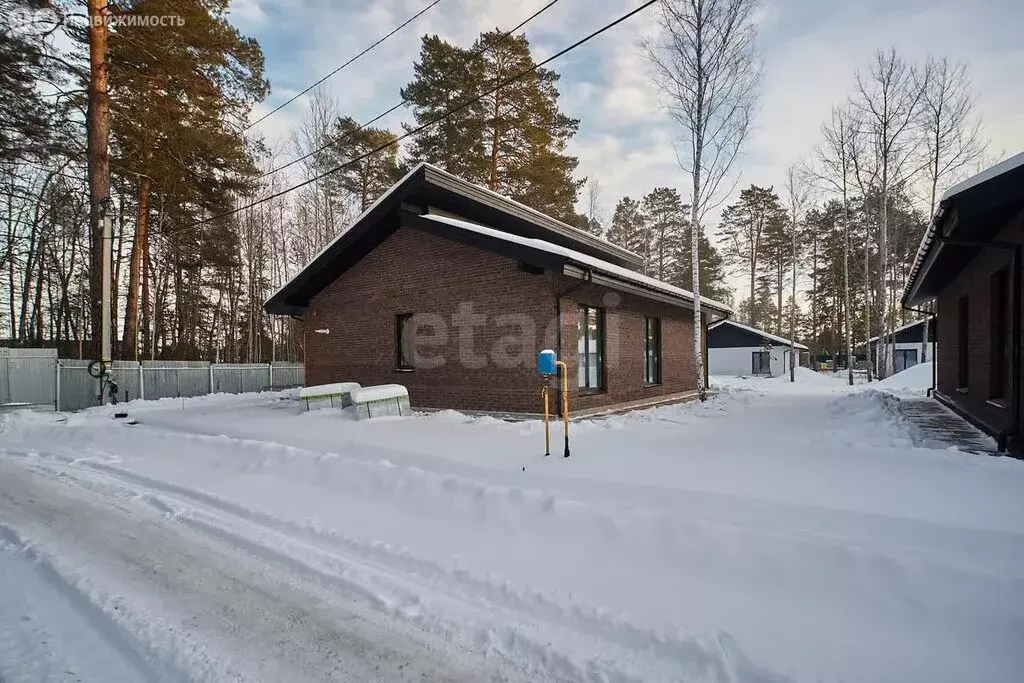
{"x":776,"y":533}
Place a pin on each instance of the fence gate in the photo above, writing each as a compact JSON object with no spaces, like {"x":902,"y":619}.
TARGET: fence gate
{"x":27,"y":378}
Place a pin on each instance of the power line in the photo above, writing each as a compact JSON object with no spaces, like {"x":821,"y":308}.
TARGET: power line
{"x":379,"y":41}
{"x":422,"y":127}
{"x":401,"y":104}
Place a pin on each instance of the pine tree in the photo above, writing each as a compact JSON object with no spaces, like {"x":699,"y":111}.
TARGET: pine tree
{"x":712,"y":270}
{"x":628,"y":227}
{"x":176,"y":99}
{"x":743,"y":228}
{"x":514,"y":139}
{"x":667,"y":226}
{"x":444,"y":77}
{"x":366,"y":179}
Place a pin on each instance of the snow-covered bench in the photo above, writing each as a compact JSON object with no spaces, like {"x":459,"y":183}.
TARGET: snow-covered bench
{"x":380,"y":401}
{"x":338,"y":395}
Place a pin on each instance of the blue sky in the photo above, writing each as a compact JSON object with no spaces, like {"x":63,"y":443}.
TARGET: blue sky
{"x":811,"y":50}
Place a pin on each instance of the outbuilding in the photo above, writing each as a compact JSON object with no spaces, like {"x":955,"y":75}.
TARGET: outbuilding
{"x":969,"y":265}
{"x":451,"y":290}
{"x":736,"y":349}
{"x":906,"y":345}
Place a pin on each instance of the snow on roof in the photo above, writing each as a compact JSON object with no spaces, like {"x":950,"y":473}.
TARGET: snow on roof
{"x":900,"y":329}
{"x":766,"y":335}
{"x":597,"y":264}
{"x":989,"y":173}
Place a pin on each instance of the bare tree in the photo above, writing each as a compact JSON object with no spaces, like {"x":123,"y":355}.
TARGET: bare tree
{"x":836,"y":163}
{"x":705,"y":61}
{"x":595,"y":211}
{"x":888,"y":98}
{"x":798,"y":197}
{"x":952,"y":133}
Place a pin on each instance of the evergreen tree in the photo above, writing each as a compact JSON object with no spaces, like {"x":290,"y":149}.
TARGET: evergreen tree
{"x":366,"y":179}
{"x":628,"y":227}
{"x":667,"y":226}
{"x":177,"y":96}
{"x":514,"y":139}
{"x":24,"y":113}
{"x":743,"y":229}
{"x":712,"y":270}
{"x":444,"y":77}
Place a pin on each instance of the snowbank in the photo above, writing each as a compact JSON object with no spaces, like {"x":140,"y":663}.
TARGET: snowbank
{"x":914,"y":378}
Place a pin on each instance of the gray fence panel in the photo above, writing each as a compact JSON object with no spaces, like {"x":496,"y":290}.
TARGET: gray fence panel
{"x":28,"y":376}
{"x":31,"y":376}
{"x":289,"y":375}
{"x":175,"y":382}
{"x":77,"y":389}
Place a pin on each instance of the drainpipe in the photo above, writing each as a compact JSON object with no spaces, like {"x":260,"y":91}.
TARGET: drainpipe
{"x":558,"y":323}
{"x":931,"y":329}
{"x":1015,"y":327}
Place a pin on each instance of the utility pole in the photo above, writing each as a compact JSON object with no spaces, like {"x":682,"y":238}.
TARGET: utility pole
{"x":105,"y":314}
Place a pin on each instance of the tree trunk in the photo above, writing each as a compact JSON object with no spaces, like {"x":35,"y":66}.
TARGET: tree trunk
{"x":130,"y":344}
{"x":98,"y":160}
{"x":698,"y":352}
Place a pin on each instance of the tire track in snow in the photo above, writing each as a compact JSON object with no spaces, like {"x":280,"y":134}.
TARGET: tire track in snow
{"x":83,"y":599}
{"x":683,"y":655}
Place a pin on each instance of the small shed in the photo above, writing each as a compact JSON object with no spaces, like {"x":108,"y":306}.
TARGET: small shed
{"x":905,"y":345}
{"x":736,"y":349}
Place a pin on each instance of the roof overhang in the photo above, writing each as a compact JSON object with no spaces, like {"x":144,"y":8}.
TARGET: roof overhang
{"x":972,"y":211}
{"x":428,"y":188}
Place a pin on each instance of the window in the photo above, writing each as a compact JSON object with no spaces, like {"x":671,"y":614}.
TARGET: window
{"x":591,"y":348}
{"x":761,"y":363}
{"x":998,"y":333}
{"x":904,"y":358}
{"x":963,"y":320}
{"x":652,"y":351}
{"x":404,"y":334}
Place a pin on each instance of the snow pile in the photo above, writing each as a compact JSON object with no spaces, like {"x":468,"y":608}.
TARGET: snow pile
{"x":808,"y":376}
{"x":916,"y":378}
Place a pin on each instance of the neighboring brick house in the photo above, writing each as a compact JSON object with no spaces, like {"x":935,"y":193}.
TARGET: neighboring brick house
{"x":969,"y":264}
{"x":452,"y":290}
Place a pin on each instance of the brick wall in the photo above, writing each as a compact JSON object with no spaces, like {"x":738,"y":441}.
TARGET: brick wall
{"x":414,"y":272}
{"x":441,"y":281}
{"x":624,"y":345}
{"x":974,"y":281}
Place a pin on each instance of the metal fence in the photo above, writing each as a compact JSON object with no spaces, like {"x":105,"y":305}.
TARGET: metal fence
{"x":37,"y":378}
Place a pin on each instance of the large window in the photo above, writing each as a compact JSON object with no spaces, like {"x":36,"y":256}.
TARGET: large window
{"x":652,"y":351}
{"x":963,"y":334}
{"x":591,"y":348}
{"x":404,"y":332}
{"x":998,"y":334}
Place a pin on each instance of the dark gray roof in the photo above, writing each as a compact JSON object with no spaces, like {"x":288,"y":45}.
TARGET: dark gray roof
{"x":974,"y":210}
{"x":428,"y":187}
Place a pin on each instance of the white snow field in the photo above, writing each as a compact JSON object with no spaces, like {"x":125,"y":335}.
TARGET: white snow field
{"x":778,"y":532}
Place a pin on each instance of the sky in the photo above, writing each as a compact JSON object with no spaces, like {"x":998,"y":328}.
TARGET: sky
{"x":811,"y":50}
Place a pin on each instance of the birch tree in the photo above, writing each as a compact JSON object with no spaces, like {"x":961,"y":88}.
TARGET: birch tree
{"x":836,"y":167}
{"x":952,"y":133}
{"x":888,"y":97}
{"x":798,"y":196}
{"x":704,"y":60}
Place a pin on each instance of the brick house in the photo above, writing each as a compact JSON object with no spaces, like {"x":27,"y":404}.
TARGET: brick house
{"x":969,"y":264}
{"x":451,"y":290}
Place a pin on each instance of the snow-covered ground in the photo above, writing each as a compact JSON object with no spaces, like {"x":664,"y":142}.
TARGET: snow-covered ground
{"x":778,"y":532}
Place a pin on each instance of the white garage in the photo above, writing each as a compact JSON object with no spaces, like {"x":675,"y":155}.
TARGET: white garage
{"x":735,"y":349}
